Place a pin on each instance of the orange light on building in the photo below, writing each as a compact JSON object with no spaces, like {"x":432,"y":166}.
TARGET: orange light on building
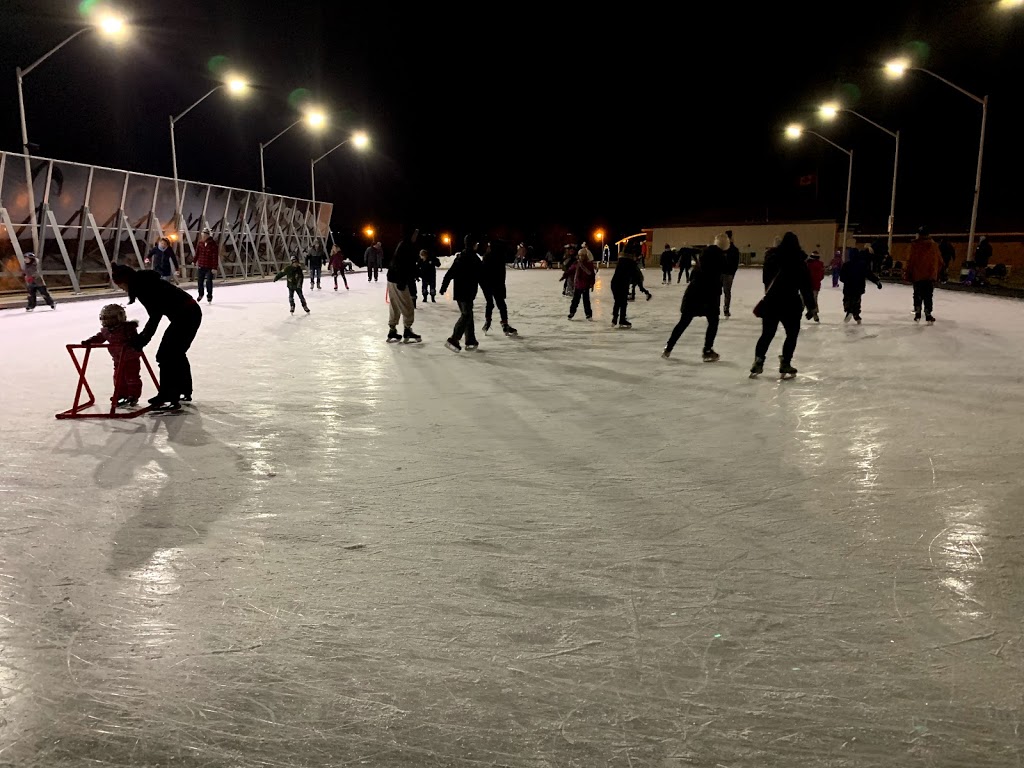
{"x":445,"y":239}
{"x":368,"y":231}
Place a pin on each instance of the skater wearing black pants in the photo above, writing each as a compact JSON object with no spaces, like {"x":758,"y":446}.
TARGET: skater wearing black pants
{"x":627,"y":275}
{"x":315,"y":259}
{"x":787,"y":292}
{"x":702,"y":297}
{"x":667,"y":261}
{"x":427,"y":267}
{"x":164,"y":299}
{"x":582,"y":273}
{"x":34,"y":284}
{"x":685,"y":262}
{"x":732,"y":264}
{"x":856,"y":274}
{"x":492,"y":283}
{"x":465,"y":271}
{"x":337,"y":265}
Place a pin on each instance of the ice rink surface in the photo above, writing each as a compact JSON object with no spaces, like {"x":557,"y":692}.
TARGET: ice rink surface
{"x":558,"y":550}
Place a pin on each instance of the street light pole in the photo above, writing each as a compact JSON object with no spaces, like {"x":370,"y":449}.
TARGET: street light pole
{"x":849,"y":186}
{"x":174,"y":160}
{"x":896,"y":69}
{"x":263,"y":146}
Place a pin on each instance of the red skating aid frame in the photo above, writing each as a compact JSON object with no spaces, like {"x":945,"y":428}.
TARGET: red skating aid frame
{"x":75,"y":411}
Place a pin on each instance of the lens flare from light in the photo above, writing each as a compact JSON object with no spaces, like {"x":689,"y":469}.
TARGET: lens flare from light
{"x":794,"y":131}
{"x":360,"y":140}
{"x":897,"y":67}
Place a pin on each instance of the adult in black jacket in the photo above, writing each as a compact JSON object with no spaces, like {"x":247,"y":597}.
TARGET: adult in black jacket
{"x":492,"y":283}
{"x":855,"y":274}
{"x":787,"y":292}
{"x":163,"y":299}
{"x":667,"y":261}
{"x":627,"y":274}
{"x":427,"y":268}
{"x":686,"y":256}
{"x":948,"y":253}
{"x":315,"y":259}
{"x":465,"y":272}
{"x":732,"y":263}
{"x":401,"y":287}
{"x":702,"y":296}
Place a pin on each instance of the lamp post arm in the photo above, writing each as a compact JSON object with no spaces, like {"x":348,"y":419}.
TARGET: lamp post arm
{"x":871,"y":122}
{"x":325,"y":154}
{"x":266,"y":144}
{"x":53,"y":50}
{"x":198,"y":102}
{"x":954,"y":86}
{"x":829,"y":141}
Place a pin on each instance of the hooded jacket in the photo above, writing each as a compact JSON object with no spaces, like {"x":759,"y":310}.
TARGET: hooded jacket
{"x":492,"y":270}
{"x":925,"y":261}
{"x":786,"y":279}
{"x":161,"y":261}
{"x":704,"y":291}
{"x":732,"y":259}
{"x":465,"y":272}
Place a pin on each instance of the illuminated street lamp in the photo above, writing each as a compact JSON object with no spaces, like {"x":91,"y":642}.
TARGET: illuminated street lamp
{"x":829,"y":112}
{"x":368,"y":232}
{"x":108,"y":25}
{"x":899,"y":67}
{"x":315,"y":120}
{"x":1009,"y":5}
{"x":359,"y":140}
{"x":793,"y":132}
{"x":447,"y":240}
{"x":236,"y":86}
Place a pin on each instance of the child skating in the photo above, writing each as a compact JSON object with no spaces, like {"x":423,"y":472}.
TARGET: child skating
{"x":337,"y":265}
{"x":427,"y":268}
{"x":627,"y":276}
{"x":34,"y":284}
{"x":856,"y":274}
{"x":817,"y":272}
{"x":120,"y":334}
{"x":294,"y":277}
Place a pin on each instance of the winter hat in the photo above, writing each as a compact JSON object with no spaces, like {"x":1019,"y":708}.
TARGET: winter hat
{"x":923,"y":232}
{"x":111,"y":315}
{"x":722,"y":241}
{"x":121,"y":273}
{"x":295,"y":259}
{"x":30,"y":256}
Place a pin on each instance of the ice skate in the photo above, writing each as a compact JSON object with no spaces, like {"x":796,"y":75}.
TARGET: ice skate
{"x":667,"y":353}
{"x":393,"y":336}
{"x":167,"y":408}
{"x":487,"y":326}
{"x":917,"y":316}
{"x":710,"y":356}
{"x":816,"y":318}
{"x":186,"y":398}
{"x":929,"y":318}
{"x":305,"y":308}
{"x":856,"y":319}
{"x":453,"y":345}
{"x":29,"y":309}
{"x":757,"y":368}
{"x":471,"y":345}
{"x":625,"y":324}
{"x":292,"y":310}
{"x":786,"y":370}
{"x":509,"y":330}
{"x":848,"y":318}
{"x":410,"y":337}
{"x":727,"y":313}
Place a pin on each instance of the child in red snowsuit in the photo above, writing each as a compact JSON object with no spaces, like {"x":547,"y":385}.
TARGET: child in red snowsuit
{"x":817,"y":270}
{"x":119,"y":333}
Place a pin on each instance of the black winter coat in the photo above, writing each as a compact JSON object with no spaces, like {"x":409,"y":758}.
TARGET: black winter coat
{"x":732,"y":260}
{"x":787,"y":282}
{"x":402,"y":271}
{"x":668,"y":258}
{"x":492,"y":270}
{"x":465,"y":271}
{"x":161,"y":299}
{"x":856,"y":274}
{"x":626,"y":275}
{"x":428,"y":269}
{"x":704,"y":291}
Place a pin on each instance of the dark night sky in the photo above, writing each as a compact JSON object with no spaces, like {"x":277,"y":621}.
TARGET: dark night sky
{"x":536,"y":120}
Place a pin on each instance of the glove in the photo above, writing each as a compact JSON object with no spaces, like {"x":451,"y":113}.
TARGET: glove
{"x":86,"y":343}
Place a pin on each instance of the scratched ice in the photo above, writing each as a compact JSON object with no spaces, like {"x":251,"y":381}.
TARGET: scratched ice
{"x":560,"y":550}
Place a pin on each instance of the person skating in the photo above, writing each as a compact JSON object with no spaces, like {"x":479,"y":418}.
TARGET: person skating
{"x":207,"y":263}
{"x":465,"y":272}
{"x":492,"y":283}
{"x":163,"y":299}
{"x":667,"y":261}
{"x":374,"y":257}
{"x":582,"y":273}
{"x":337,"y":265}
{"x":817,"y":272}
{"x":948,"y":253}
{"x":732,"y":265}
{"x":856,"y":274}
{"x":685,"y":263}
{"x":34,"y":284}
{"x":427,"y":268}
{"x":295,"y":279}
{"x":162,"y":260}
{"x":787,"y":293}
{"x":567,"y":265}
{"x":924,"y":265}
{"x":119,"y":333}
{"x":401,"y":279}
{"x":702,"y":297}
{"x":315,"y":260}
{"x":606,"y":255}
{"x":836,"y":266}
{"x":627,"y":276}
